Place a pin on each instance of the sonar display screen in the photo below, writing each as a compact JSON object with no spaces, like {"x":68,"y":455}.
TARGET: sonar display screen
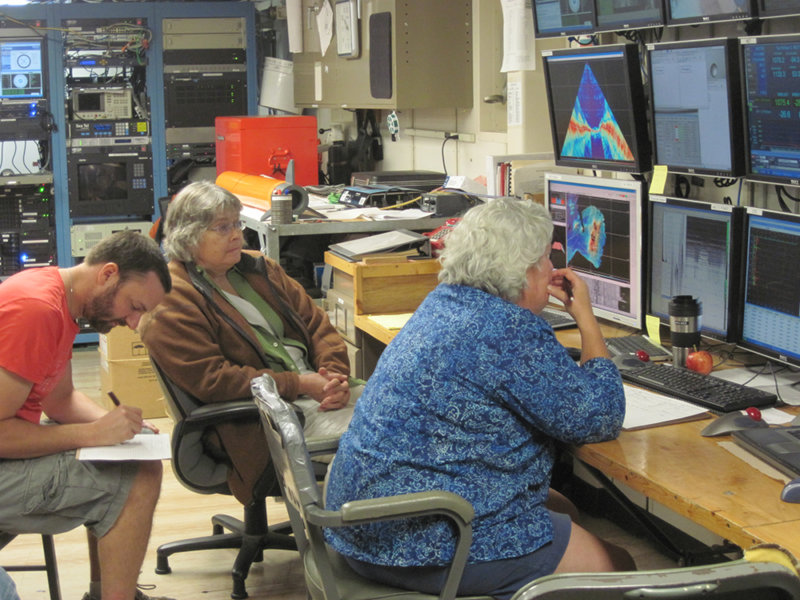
{"x":592,"y":95}
{"x":597,"y":232}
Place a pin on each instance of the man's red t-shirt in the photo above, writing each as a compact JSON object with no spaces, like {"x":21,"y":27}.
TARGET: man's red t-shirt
{"x":36,"y":333}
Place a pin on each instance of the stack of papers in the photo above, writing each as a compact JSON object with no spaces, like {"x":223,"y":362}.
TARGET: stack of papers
{"x":644,"y":408}
{"x":143,"y":446}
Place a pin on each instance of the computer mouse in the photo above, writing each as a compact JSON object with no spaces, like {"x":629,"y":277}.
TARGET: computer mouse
{"x":626,"y":362}
{"x":791,"y":491}
{"x":734,"y":421}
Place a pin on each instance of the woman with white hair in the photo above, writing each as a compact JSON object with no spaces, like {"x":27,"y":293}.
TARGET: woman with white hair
{"x":471,"y":397}
{"x":233,"y":315}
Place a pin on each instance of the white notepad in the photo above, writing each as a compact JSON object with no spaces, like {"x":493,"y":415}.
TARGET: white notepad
{"x":644,"y":408}
{"x":143,"y":446}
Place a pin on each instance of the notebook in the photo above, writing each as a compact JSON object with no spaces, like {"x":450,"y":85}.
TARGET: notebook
{"x":776,"y":446}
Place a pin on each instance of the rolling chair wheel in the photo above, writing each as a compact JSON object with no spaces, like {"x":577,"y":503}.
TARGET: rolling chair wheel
{"x":162,"y":565}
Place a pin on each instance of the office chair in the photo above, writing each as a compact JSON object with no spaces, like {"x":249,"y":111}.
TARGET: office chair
{"x":205,"y":473}
{"x":737,"y":580}
{"x":50,"y":565}
{"x":327,"y":574}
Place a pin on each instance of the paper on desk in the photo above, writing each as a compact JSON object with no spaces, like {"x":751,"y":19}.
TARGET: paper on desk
{"x":754,"y":461}
{"x":788,"y":382}
{"x":644,"y":408}
{"x":143,"y":446}
{"x":391,"y":321}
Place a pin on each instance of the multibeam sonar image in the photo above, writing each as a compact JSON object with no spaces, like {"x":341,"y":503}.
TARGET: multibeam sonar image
{"x":586,"y":232}
{"x":593,"y":131}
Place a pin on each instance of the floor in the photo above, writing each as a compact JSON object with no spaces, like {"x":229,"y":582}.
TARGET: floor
{"x":182,"y":513}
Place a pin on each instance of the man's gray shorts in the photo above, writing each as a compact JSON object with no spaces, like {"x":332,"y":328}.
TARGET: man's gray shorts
{"x":57,"y":493}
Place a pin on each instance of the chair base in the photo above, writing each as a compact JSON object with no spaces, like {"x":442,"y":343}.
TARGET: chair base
{"x":250,"y":539}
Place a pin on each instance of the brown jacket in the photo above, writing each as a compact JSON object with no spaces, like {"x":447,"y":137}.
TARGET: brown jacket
{"x":210,"y":351}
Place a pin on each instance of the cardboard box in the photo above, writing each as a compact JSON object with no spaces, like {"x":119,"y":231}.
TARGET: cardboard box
{"x":134,"y":382}
{"x":122,"y":343}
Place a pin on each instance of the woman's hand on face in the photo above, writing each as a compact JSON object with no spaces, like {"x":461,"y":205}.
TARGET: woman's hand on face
{"x":571,"y":290}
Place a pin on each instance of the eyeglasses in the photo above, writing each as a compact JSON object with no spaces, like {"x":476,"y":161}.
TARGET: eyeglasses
{"x":227,"y":228}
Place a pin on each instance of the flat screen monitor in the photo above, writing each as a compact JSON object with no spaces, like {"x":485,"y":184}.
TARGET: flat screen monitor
{"x":613,"y":15}
{"x":771,"y":66}
{"x":695,"y":250}
{"x":596,"y":98}
{"x":778,"y":8}
{"x":598,"y":233}
{"x":562,"y":17}
{"x":695,"y":95}
{"x":692,"y":12}
{"x":21,"y":68}
{"x":770,"y":313}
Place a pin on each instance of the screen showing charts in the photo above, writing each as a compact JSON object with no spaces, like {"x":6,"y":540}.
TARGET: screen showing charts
{"x":701,"y":11}
{"x":771,"y":66}
{"x":562,"y":17}
{"x":597,"y":232}
{"x":695,"y":250}
{"x":595,"y":99}
{"x":771,"y":307}
{"x":696,"y":116}
{"x":628,"y":14}
{"x":21,"y":69}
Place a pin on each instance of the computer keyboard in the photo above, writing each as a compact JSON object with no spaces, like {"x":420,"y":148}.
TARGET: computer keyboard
{"x":558,"y":319}
{"x":630,"y":344}
{"x":704,"y":390}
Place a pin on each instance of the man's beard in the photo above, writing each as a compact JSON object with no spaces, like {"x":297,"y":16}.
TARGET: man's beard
{"x":100,"y":309}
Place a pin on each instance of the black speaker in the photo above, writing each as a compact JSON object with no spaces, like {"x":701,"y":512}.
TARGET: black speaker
{"x":380,"y":55}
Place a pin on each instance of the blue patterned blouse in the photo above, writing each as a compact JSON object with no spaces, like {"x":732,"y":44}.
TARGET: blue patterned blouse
{"x":469,"y":397}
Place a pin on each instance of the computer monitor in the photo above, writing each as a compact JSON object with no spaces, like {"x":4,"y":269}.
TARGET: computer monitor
{"x":598,"y":233}
{"x":562,"y":17}
{"x":695,"y":96}
{"x":771,"y":100}
{"x":770,"y":315}
{"x":778,"y":8}
{"x":692,"y":12}
{"x":695,"y":249}
{"x":21,"y":68}
{"x":614,"y":15}
{"x":596,"y":97}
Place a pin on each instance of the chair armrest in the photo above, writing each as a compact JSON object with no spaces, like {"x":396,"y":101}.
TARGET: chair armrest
{"x":322,"y":445}
{"x":214,"y":414}
{"x":437,"y":502}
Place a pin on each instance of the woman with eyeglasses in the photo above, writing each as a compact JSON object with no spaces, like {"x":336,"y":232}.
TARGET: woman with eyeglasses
{"x":234,"y":314}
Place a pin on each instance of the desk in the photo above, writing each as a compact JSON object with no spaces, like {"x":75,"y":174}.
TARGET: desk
{"x":686,"y":473}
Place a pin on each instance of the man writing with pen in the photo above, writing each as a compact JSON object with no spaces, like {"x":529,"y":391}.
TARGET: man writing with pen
{"x":43,"y":488}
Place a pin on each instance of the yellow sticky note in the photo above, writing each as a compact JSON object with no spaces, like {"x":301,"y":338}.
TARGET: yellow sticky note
{"x":653,"y":324}
{"x":659,"y":179}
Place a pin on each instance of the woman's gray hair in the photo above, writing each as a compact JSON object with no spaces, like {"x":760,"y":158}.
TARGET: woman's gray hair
{"x":191,"y":212}
{"x":495,"y":244}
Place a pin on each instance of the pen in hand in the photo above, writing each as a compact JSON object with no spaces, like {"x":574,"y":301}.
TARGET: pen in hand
{"x":567,"y":287}
{"x":114,"y":398}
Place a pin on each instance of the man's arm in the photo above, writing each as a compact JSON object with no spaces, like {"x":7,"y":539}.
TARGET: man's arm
{"x":23,"y":439}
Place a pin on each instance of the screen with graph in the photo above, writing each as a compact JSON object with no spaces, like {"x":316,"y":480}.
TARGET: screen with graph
{"x":771,"y":66}
{"x":695,"y":249}
{"x":770,"y":313}
{"x":598,"y":233}
{"x":595,"y":97}
{"x":696,"y":100}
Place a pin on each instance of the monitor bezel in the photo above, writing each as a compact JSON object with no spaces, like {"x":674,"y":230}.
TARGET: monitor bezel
{"x":638,"y":245}
{"x":765,"y":13}
{"x":735,"y":109}
{"x":42,"y":43}
{"x":629,"y":25}
{"x":715,"y":18}
{"x":563,"y":32}
{"x":639,"y":142}
{"x":744,"y":43}
{"x":735,"y":260}
{"x":746,"y":345}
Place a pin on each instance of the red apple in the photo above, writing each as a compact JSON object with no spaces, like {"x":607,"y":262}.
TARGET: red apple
{"x":700,"y":361}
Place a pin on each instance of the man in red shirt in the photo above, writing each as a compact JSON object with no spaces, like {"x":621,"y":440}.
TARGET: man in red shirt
{"x":43,"y":487}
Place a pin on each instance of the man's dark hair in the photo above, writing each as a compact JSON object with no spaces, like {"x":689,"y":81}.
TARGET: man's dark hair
{"x":133,"y":253}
